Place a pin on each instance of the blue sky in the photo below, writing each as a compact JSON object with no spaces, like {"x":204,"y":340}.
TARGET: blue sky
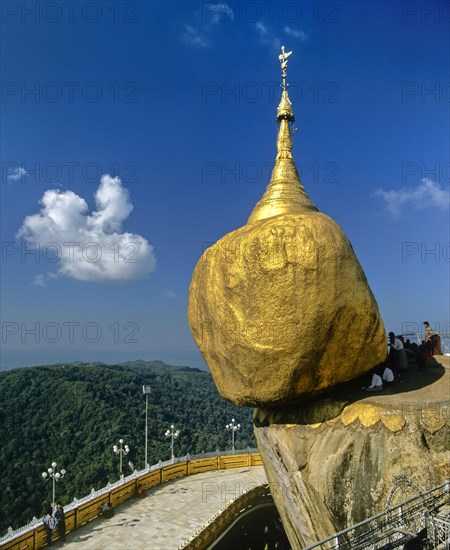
{"x":179,"y":99}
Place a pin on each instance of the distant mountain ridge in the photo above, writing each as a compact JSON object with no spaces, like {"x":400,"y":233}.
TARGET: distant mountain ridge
{"x":74,"y":413}
{"x":155,"y":363}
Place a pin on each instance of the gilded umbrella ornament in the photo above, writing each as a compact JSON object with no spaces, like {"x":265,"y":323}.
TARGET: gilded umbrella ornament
{"x":280,"y":308}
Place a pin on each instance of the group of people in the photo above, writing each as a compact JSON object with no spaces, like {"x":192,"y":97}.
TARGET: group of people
{"x":417,"y":353}
{"x":397,"y":357}
{"x":381,"y":376}
{"x":55,"y":518}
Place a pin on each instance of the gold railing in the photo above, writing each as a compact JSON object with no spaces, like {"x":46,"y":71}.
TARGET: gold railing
{"x":33,"y":536}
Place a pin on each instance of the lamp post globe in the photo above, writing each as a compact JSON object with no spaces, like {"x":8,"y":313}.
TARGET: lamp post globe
{"x":121,"y":451}
{"x":233,"y":427}
{"x":55,"y":476}
{"x":173,"y":434}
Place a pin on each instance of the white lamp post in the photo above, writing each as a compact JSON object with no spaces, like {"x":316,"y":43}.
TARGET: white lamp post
{"x":51,"y":473}
{"x":146,"y":390}
{"x":173,"y":434}
{"x":121,"y":451}
{"x":234,"y":428}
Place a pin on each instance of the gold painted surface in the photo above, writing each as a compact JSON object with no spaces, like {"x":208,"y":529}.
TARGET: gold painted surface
{"x":393,"y":422}
{"x":285,"y":193}
{"x":431,"y":419}
{"x":281,"y":308}
{"x":368,"y":415}
{"x":432,"y":422}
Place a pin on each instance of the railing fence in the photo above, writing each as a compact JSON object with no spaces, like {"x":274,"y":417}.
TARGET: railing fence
{"x":80,"y":511}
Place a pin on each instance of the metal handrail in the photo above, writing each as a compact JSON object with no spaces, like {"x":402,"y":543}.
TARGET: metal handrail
{"x":444,"y":488}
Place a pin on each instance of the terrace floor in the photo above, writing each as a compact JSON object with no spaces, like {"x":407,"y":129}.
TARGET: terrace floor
{"x":168,"y":515}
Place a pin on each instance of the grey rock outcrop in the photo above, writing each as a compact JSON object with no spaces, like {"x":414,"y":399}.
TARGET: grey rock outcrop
{"x":332,"y":462}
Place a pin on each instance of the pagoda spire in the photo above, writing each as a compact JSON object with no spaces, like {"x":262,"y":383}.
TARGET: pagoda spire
{"x":285,"y":193}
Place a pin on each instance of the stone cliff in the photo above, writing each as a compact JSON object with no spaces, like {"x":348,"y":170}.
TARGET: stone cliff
{"x":333,"y":461}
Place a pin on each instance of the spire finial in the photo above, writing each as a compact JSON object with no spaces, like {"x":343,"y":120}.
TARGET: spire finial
{"x":285,"y":106}
{"x":283,"y":57}
{"x":285,"y":193}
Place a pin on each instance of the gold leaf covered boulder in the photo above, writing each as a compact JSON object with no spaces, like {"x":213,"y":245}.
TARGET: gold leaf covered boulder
{"x":280,"y":308}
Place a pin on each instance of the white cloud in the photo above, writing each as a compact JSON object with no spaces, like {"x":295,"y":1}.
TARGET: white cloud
{"x":267,"y":37}
{"x":16,"y":174}
{"x":39,"y":280}
{"x":428,"y":194}
{"x":215,"y":13}
{"x":212,"y":14}
{"x":193,"y":37}
{"x":170,"y":294}
{"x":261,"y":28}
{"x":299,"y":35}
{"x":89,"y":247}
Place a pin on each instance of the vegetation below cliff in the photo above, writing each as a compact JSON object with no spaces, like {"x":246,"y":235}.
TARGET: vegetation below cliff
{"x":73,"y":414}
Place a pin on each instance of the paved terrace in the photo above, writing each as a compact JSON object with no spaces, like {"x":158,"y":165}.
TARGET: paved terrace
{"x":168,"y":515}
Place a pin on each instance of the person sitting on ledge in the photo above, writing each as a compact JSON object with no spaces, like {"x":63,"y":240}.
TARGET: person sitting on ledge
{"x":412,"y":346}
{"x":423,"y":355}
{"x":399,"y":354}
{"x":107,"y":510}
{"x":377,"y":382}
{"x":141,"y":493}
{"x":387,"y":376}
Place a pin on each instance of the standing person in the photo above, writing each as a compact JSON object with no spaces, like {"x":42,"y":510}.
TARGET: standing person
{"x":429,"y":340}
{"x":401,"y":361}
{"x":428,"y":332}
{"x":61,"y":519}
{"x":50,"y":523}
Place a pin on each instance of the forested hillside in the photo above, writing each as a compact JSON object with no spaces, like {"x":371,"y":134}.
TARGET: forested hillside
{"x":73,"y":414}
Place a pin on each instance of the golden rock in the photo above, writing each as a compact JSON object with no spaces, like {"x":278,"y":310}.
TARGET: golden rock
{"x":280,"y":308}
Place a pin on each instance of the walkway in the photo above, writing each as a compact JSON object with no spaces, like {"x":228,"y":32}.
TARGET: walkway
{"x":168,"y":515}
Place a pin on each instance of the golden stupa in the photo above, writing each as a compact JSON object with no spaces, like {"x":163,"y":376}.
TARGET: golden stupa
{"x":280,"y":308}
